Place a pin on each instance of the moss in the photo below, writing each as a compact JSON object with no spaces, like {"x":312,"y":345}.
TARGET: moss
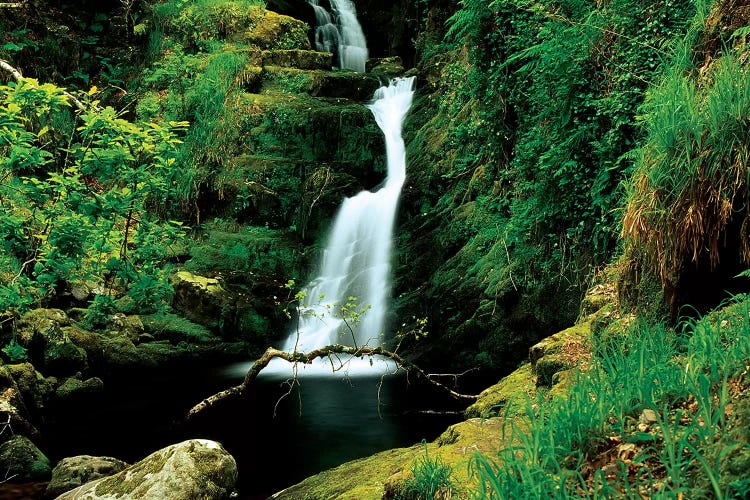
{"x":366,"y":478}
{"x":262,"y":251}
{"x":175,"y":328}
{"x":296,"y":58}
{"x":269,"y":30}
{"x":561,"y":351}
{"x":512,"y":389}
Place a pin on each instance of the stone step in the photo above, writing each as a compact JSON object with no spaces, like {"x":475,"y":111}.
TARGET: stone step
{"x":338,"y":84}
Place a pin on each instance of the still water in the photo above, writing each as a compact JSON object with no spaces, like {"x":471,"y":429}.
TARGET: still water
{"x":277,"y":440}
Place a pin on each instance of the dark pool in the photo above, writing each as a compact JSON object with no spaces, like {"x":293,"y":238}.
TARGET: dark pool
{"x":321,"y":424}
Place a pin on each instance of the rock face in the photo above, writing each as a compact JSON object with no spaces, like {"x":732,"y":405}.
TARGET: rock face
{"x":196,"y":468}
{"x":73,"y":472}
{"x":22,"y":461}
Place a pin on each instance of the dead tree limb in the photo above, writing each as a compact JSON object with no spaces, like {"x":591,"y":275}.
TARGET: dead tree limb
{"x":18,"y":76}
{"x":307,"y":358}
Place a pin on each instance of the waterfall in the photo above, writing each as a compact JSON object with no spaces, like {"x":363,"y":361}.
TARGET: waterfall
{"x":345,"y":37}
{"x":326,"y":33}
{"x":356,"y":261}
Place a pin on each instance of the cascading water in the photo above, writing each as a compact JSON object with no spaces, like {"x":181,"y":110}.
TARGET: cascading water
{"x":356,"y":261}
{"x":345,"y":37}
{"x":326,"y":33}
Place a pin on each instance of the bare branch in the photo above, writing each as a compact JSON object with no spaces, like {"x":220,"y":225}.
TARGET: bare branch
{"x":307,"y":358}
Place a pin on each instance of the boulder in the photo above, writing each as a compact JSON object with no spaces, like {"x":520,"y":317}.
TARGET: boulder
{"x":38,"y":326}
{"x":21,"y":460}
{"x":109,"y":352}
{"x":73,"y":388}
{"x":387,"y":66}
{"x":63,"y":357}
{"x":30,"y":385}
{"x":196,"y":468}
{"x":269,"y":30}
{"x":73,"y":472}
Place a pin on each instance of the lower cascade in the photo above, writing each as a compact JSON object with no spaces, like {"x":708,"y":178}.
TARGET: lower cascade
{"x":348,"y":301}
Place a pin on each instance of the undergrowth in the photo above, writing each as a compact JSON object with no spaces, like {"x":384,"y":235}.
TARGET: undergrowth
{"x":660,"y":413}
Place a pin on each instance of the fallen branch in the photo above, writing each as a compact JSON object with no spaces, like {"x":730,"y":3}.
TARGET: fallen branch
{"x":307,"y":358}
{"x":18,"y":76}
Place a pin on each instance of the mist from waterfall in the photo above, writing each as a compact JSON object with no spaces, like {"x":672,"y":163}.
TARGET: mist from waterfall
{"x":356,"y":260}
{"x":344,"y":37}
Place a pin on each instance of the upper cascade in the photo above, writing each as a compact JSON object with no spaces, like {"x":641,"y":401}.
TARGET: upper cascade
{"x":344,"y":37}
{"x":356,"y":261}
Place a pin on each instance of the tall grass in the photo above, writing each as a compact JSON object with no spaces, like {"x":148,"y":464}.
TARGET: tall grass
{"x":691,"y":178}
{"x":664,"y":396}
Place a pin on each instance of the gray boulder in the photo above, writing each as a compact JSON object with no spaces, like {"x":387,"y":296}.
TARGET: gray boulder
{"x":197,"y":468}
{"x":73,"y":472}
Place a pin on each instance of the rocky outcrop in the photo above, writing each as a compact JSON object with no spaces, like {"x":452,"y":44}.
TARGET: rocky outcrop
{"x":73,"y":472}
{"x":21,"y":460}
{"x":192,"y":469}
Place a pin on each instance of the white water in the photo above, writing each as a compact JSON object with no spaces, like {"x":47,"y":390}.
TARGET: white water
{"x":356,"y":261}
{"x":326,"y":33}
{"x":345,"y":35}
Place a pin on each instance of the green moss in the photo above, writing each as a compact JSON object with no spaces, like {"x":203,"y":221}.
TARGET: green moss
{"x":511,"y":390}
{"x":175,"y":328}
{"x":258,"y":250}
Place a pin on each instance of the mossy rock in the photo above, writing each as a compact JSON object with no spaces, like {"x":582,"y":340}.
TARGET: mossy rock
{"x":230,"y":311}
{"x":513,"y":389}
{"x":387,"y":66}
{"x":72,"y":472}
{"x":561,"y":351}
{"x":367,"y":478}
{"x":64,"y":358}
{"x":36,"y":327}
{"x":337,"y":84}
{"x":175,"y":329}
{"x":31,"y":385}
{"x":21,"y":461}
{"x":107,"y":354}
{"x":197,"y":468}
{"x":73,"y":389}
{"x":296,"y":58}
{"x":269,"y":30}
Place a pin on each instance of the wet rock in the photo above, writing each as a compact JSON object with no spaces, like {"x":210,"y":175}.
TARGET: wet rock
{"x":192,"y":469}
{"x":21,"y":460}
{"x":73,"y":472}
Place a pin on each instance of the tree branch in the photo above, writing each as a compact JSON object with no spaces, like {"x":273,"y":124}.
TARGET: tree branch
{"x":307,"y":358}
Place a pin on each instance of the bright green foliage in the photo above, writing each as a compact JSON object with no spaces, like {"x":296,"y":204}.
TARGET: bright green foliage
{"x":80,"y":193}
{"x":262,"y":251}
{"x":522,"y":152}
{"x":431,"y":480}
{"x":688,"y":196}
{"x":683,"y":381}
